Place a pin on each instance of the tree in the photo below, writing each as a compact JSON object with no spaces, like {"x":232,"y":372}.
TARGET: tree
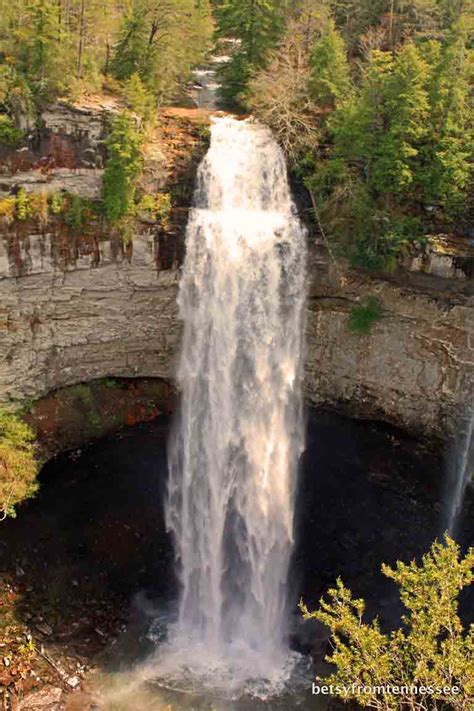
{"x":18,"y":466}
{"x":256,"y":25}
{"x":331,"y":82}
{"x":447,"y":171}
{"x":123,"y":167}
{"x":160,"y":41}
{"x":426,"y":658}
{"x":279,"y":94}
{"x":41,"y":56}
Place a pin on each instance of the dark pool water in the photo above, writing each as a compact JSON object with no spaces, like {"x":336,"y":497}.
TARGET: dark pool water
{"x":367,"y":494}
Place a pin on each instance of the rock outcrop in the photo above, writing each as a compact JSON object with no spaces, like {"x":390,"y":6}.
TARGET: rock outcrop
{"x":77,"y":307}
{"x":109,"y":314}
{"x":415,"y":368}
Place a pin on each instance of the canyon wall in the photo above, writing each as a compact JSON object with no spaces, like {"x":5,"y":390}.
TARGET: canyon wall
{"x":77,"y":307}
{"x":109,"y":314}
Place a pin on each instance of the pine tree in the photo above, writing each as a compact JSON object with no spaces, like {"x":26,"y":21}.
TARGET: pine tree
{"x":256,"y":25}
{"x":447,"y":170}
{"x":331,"y":82}
{"x":161,"y":40}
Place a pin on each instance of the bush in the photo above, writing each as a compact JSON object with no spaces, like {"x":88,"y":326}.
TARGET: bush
{"x":9,"y":134}
{"x":156,"y":207}
{"x":18,"y":466}
{"x":76,"y":212}
{"x":23,"y":210}
{"x":39,"y":207}
{"x":431,"y":649}
{"x":8,"y":209}
{"x":363,"y":317}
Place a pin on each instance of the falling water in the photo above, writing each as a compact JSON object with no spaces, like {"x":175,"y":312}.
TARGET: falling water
{"x":460,"y":471}
{"x":235,"y":449}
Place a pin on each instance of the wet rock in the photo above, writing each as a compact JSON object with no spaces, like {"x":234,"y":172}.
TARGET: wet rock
{"x":45,"y":629}
{"x":48,"y":698}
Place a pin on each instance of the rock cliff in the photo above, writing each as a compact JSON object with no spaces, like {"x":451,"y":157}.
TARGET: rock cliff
{"x":75,"y":308}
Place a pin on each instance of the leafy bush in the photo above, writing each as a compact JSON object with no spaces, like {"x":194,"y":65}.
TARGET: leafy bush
{"x":23,"y":210}
{"x":8,"y":209}
{"x":156,"y":207}
{"x":9,"y":134}
{"x":76,"y":212}
{"x":138,"y":98}
{"x":429,"y":653}
{"x":39,"y":207}
{"x":57,"y":202}
{"x":18,"y":466}
{"x":363,"y":317}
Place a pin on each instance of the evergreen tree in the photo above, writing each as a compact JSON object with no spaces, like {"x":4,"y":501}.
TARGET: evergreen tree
{"x":447,"y":172}
{"x":160,"y":41}
{"x":331,"y":82}
{"x":256,"y":25}
{"x":41,"y":55}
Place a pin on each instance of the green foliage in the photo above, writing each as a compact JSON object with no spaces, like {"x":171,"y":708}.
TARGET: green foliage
{"x":370,"y":101}
{"x":55,"y":47}
{"x":76,"y":212}
{"x":57,"y":203}
{"x":257,"y":25}
{"x":402,"y":141}
{"x":431,"y":649}
{"x":156,"y":207}
{"x":161,"y":41}
{"x":18,"y":466}
{"x":446,"y":173}
{"x":23,"y":210}
{"x":363,"y":317}
{"x":9,"y":135}
{"x":138,"y":98}
{"x":122,"y":170}
{"x":330,"y":81}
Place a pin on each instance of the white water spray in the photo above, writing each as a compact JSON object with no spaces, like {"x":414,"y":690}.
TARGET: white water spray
{"x":460,"y":472}
{"x":235,"y":449}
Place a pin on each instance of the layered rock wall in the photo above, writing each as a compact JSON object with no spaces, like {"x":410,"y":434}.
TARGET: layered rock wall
{"x":108,"y":314}
{"x":77,"y":307}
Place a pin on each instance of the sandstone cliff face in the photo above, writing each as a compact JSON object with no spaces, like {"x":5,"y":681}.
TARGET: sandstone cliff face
{"x":107,"y":314}
{"x":77,"y":307}
{"x":104,"y":314}
{"x":414,"y":369}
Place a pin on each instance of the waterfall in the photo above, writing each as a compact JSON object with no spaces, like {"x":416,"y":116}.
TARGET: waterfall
{"x":235,"y":448}
{"x":459,"y":473}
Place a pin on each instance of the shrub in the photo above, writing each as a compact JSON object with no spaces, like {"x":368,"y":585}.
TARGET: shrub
{"x":23,"y":210}
{"x":8,"y":209}
{"x":76,"y":212}
{"x":9,"y":134}
{"x":363,"y":317}
{"x":156,"y":207}
{"x":430,"y":650}
{"x":18,"y":466}
{"x":39,"y":207}
{"x":138,"y":98}
{"x":57,"y":203}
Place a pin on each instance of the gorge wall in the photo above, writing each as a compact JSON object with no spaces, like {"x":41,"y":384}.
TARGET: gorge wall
{"x":75,"y":308}
{"x":115,"y":315}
